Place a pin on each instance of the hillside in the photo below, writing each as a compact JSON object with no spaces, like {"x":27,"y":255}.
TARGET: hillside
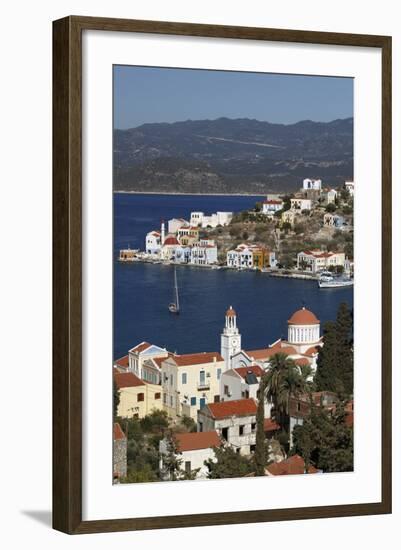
{"x":231,"y":156}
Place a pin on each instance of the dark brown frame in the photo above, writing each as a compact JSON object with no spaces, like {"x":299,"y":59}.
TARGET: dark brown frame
{"x":67,"y":277}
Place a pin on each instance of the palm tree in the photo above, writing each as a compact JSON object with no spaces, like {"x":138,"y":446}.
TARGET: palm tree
{"x":282,"y":381}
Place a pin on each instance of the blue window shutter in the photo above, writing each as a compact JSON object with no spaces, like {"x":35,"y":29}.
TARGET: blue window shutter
{"x":193,"y":401}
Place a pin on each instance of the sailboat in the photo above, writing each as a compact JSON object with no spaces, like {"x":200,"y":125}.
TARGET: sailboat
{"x":174,"y":307}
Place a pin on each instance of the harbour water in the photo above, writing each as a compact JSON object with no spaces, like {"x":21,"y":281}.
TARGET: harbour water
{"x":143,"y":291}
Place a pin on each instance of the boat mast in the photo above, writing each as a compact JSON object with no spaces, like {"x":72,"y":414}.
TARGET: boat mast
{"x":176,"y":289}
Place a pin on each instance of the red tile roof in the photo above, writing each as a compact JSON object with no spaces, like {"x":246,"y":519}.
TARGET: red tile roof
{"x":349,"y":419}
{"x":237,"y":407}
{"x":292,"y":466}
{"x":117,"y":432}
{"x":302,"y":361}
{"x":311,"y":351}
{"x":270,"y":425}
{"x":269,"y":352}
{"x":127,"y":380}
{"x":303,"y":317}
{"x":196,"y":358}
{"x":171,"y":240}
{"x":255,"y":369}
{"x":197,"y":440}
{"x":141,"y":347}
{"x":230,"y":312}
{"x":122,"y":362}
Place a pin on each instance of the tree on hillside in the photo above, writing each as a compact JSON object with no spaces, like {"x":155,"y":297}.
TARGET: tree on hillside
{"x":326,"y":364}
{"x":282,"y":381}
{"x":172,"y":460}
{"x":325,"y":440}
{"x":345,"y":356}
{"x":260,"y":447}
{"x":116,"y":398}
{"x":228,"y":463}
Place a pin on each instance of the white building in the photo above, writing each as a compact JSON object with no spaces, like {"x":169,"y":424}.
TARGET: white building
{"x":175,"y":224}
{"x":240,"y":383}
{"x":271,"y":206}
{"x":169,"y":247}
{"x":140,"y":353}
{"x":312,"y":184}
{"x":234,"y":421}
{"x":204,"y":252}
{"x":202,"y":220}
{"x":182,"y":254}
{"x":299,"y":203}
{"x":316,"y":260}
{"x":349,"y":186}
{"x":193,"y":449}
{"x":230,"y":338}
{"x":153,"y":243}
{"x":303,"y":330}
{"x":241,"y":257}
{"x":191,"y":381}
{"x":333,"y":220}
{"x":330,"y":196}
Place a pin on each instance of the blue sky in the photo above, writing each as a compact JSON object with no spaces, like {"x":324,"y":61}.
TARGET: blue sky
{"x":149,"y":94}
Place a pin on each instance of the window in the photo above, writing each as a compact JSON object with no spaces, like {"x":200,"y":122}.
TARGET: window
{"x":202,"y":402}
{"x":171,"y":400}
{"x":217,"y":398}
{"x":218,"y":372}
{"x":253,"y":448}
{"x":193,"y":401}
{"x":241,"y":430}
{"x":157,"y":395}
{"x":188,"y":467}
{"x":164,"y":398}
{"x":201,"y":426}
{"x":224,"y":433}
{"x":253,"y":427}
{"x":171,"y":379}
{"x":141,"y":397}
{"x":202,"y":377}
{"x":184,"y":378}
{"x":226,"y":391}
{"x":298,"y":406}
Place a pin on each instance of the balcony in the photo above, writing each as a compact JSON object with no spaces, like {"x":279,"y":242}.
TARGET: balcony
{"x":202,"y":386}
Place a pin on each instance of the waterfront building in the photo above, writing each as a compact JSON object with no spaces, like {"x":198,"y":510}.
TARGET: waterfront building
{"x":182,"y":254}
{"x":190,"y":381}
{"x":349,"y":186}
{"x":250,"y":256}
{"x":153,"y":243}
{"x":318,"y":260}
{"x":301,"y":203}
{"x":140,"y":353}
{"x":240,"y":383}
{"x":137,"y":397}
{"x":313,"y":184}
{"x":193,"y":449}
{"x":119,"y":453}
{"x":234,"y":421}
{"x":169,"y":248}
{"x":230,"y":338}
{"x":204,"y":252}
{"x":127,"y":255}
{"x":202,"y":220}
{"x":187,"y":235}
{"x":271,"y":206}
{"x":175,"y":224}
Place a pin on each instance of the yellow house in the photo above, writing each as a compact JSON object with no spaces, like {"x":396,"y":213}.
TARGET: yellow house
{"x":137,"y":397}
{"x":187,"y":236}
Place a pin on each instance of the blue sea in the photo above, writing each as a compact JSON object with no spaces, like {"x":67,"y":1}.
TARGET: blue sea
{"x":142,"y":292}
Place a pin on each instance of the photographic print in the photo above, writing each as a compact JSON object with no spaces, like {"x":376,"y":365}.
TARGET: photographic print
{"x":233,"y":263}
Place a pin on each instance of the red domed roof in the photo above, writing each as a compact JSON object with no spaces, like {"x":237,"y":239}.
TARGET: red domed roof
{"x":230,"y":312}
{"x":171,"y":240}
{"x":303,"y":317}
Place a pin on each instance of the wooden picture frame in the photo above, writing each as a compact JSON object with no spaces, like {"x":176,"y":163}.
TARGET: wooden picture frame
{"x":67,"y":273}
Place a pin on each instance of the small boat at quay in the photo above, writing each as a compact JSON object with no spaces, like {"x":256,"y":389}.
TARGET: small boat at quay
{"x":328,"y":280}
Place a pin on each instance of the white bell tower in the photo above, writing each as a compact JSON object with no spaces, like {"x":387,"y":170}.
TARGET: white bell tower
{"x":230,"y":338}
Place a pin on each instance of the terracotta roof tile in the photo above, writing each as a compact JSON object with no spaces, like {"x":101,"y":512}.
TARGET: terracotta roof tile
{"x":303,"y":317}
{"x":197,"y":440}
{"x":255,"y":369}
{"x":292,"y":466}
{"x":196,"y":358}
{"x":122,"y":362}
{"x":270,"y":425}
{"x":141,"y":347}
{"x":127,"y":380}
{"x":237,"y":407}
{"x":117,"y":432}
